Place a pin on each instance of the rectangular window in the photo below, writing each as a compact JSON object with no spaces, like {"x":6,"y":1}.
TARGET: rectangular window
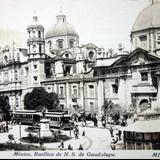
{"x":144,"y":76}
{"x":61,"y":91}
{"x":60,"y":44}
{"x":6,"y":77}
{"x":130,"y":146}
{"x":115,"y":88}
{"x":148,"y":146}
{"x":16,"y":76}
{"x":143,"y":41}
{"x":91,"y":91}
{"x":74,"y":91}
{"x":139,"y":146}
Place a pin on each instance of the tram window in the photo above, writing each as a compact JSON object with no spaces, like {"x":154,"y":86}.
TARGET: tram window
{"x":139,"y":146}
{"x":130,"y":145}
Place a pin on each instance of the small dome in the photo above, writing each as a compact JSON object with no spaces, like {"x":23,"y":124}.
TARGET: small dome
{"x":35,"y":24}
{"x":149,"y":17}
{"x":62,"y":28}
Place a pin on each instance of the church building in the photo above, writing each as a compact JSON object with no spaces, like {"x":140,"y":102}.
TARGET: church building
{"x":84,"y":76}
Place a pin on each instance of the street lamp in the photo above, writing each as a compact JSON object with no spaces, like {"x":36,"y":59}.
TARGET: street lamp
{"x":84,"y":102}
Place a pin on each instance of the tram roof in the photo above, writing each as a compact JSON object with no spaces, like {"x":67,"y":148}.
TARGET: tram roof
{"x":57,"y":113}
{"x":27,"y":112}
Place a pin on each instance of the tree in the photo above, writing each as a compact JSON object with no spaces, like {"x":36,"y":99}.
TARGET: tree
{"x":39,"y":98}
{"x":105,"y":108}
{"x":5,"y":108}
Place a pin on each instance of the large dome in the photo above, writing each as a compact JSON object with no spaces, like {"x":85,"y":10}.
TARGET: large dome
{"x":62,"y":28}
{"x":148,"y":18}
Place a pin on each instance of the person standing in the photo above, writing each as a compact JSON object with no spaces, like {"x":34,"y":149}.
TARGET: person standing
{"x":62,"y":144}
{"x":119,"y":134}
{"x":80,"y":147}
{"x":83,"y":133}
{"x":70,"y":147}
{"x":111,"y":131}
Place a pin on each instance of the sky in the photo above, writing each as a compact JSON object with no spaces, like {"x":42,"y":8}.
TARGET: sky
{"x":106,"y":23}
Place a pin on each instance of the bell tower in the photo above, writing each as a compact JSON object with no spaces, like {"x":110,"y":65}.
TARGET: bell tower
{"x":36,"y":53}
{"x":36,"y":42}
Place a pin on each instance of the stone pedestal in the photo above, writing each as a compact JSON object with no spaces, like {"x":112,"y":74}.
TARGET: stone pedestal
{"x":44,"y":128}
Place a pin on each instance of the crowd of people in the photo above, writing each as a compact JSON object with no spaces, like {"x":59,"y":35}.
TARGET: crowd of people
{"x":76,"y":136}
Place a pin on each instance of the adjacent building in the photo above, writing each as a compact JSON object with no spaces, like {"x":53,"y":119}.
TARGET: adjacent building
{"x":84,"y":76}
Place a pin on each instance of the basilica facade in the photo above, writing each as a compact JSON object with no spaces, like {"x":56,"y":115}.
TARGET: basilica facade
{"x":84,"y":76}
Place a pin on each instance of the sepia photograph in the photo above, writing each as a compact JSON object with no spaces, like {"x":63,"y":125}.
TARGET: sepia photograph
{"x":79,"y":79}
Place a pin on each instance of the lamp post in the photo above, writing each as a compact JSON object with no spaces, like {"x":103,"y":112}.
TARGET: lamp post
{"x":84,"y":102}
{"x":20,"y":130}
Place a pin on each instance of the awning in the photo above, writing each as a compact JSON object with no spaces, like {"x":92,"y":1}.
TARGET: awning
{"x":150,"y":126}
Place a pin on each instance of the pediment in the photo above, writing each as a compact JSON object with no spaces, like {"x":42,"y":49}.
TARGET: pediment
{"x":138,"y":57}
{"x":90,"y":46}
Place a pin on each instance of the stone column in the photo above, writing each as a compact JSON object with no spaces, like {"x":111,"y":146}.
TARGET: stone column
{"x":67,"y":95}
{"x":152,"y":42}
{"x":81,"y":94}
{"x":100,"y":89}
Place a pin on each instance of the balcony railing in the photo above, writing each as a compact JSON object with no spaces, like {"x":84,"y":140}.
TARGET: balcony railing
{"x":144,"y":89}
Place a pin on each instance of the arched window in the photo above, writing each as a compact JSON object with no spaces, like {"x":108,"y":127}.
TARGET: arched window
{"x":60,"y":44}
{"x":71,"y":43}
{"x":5,"y":58}
{"x":39,"y":34}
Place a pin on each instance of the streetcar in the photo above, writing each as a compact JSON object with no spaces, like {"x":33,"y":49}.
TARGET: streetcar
{"x":59,"y":120}
{"x":26,"y":117}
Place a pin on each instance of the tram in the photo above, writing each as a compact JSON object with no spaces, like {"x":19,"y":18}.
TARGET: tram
{"x":59,"y":120}
{"x":32,"y":117}
{"x":28,"y":117}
